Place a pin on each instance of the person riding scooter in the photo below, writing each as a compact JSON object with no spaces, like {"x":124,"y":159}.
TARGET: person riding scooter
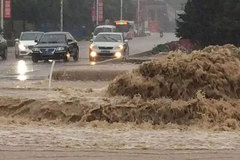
{"x":161,"y":33}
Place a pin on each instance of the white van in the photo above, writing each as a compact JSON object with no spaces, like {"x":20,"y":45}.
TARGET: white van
{"x":103,"y":28}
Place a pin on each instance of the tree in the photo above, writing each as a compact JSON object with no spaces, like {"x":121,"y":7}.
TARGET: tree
{"x":77,"y":13}
{"x":214,"y":22}
{"x":36,"y":11}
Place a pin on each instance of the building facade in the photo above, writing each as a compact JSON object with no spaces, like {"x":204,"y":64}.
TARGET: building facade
{"x":155,"y":15}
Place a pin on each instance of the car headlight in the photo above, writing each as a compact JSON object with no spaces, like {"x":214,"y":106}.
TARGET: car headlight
{"x":22,"y":47}
{"x":92,"y":46}
{"x":36,"y":50}
{"x":120,"y":47}
{"x":118,"y":54}
{"x":93,"y":54}
{"x":60,"y":49}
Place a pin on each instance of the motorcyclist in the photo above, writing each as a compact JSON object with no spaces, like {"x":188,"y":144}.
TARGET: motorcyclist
{"x":161,"y":33}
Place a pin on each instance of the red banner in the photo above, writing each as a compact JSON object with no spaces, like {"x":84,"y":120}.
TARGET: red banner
{"x":153,"y":26}
{"x":100,"y":11}
{"x":94,"y":12}
{"x":7,"y":9}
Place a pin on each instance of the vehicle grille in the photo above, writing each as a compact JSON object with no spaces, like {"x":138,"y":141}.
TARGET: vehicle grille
{"x":105,"y":47}
{"x":105,"y":55}
{"x":30,"y":47}
{"x":47,"y":50}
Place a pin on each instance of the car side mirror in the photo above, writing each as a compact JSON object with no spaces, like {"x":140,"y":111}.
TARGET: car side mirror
{"x":36,"y":41}
{"x":125,"y":41}
{"x":16,"y":40}
{"x":92,"y":33}
{"x":91,"y":40}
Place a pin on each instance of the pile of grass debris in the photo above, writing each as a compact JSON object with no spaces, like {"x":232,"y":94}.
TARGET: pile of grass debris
{"x":200,"y":90}
{"x":214,"y":70}
{"x":170,"y":88}
{"x":199,"y":112}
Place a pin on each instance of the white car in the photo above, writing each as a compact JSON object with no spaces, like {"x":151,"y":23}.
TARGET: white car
{"x":108,"y":45}
{"x":147,"y":32}
{"x":24,"y":45}
{"x":103,"y":28}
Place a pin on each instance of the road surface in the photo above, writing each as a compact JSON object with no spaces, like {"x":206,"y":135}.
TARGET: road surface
{"x":25,"y":69}
{"x":21,"y":154}
{"x":49,"y":142}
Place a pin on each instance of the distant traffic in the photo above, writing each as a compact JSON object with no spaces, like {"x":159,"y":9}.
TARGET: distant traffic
{"x":108,"y":41}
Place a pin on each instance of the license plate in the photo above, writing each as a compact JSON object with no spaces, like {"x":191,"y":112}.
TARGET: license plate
{"x":105,"y":51}
{"x":48,"y":54}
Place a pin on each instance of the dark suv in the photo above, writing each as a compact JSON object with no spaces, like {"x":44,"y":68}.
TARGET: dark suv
{"x":56,"y":46}
{"x":3,"y":48}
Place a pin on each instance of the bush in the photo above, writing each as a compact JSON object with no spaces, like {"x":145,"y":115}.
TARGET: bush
{"x":214,"y":70}
{"x":160,"y":48}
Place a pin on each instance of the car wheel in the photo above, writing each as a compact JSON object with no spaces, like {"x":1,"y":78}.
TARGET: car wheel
{"x":66,"y":59}
{"x":16,"y":56}
{"x":91,"y":59}
{"x":34,"y":59}
{"x":76,"y":56}
{"x":126,"y":55}
{"x":4,"y":56}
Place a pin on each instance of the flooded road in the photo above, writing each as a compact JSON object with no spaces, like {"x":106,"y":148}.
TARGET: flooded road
{"x":25,"y":69}
{"x":101,"y":141}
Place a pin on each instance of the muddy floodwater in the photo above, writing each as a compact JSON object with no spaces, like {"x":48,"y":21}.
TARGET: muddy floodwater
{"x":129,"y":113}
{"x":102,"y":136}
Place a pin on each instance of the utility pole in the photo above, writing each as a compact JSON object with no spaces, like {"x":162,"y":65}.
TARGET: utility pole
{"x":121,"y":11}
{"x":97,"y":10}
{"x":61,"y":15}
{"x":2,"y":18}
{"x":138,"y":16}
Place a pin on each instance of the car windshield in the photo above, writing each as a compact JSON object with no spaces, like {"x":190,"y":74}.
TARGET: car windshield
{"x":30,"y":36}
{"x":53,"y":38}
{"x":108,"y":38}
{"x":99,"y":30}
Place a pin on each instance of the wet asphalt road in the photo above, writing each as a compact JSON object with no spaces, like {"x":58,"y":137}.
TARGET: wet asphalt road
{"x":28,"y":154}
{"x":14,"y":69}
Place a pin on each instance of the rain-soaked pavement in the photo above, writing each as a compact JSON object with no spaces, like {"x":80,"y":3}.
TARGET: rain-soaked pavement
{"x":116,"y":143}
{"x":25,"y":70}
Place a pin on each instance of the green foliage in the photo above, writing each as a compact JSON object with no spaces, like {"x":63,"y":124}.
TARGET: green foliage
{"x":160,"y":48}
{"x":211,"y":22}
{"x":36,"y":11}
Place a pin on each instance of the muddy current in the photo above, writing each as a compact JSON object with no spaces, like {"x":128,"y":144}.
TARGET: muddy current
{"x":200,"y":89}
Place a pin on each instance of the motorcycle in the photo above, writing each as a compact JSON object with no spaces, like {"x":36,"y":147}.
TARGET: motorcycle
{"x":161,"y":34}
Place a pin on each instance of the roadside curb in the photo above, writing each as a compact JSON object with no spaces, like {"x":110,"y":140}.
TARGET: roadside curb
{"x":102,"y":74}
{"x":136,"y":58}
{"x":132,"y":58}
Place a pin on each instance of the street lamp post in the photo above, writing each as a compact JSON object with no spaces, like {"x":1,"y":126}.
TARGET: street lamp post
{"x":2,"y":20}
{"x":121,"y":16}
{"x":61,"y":15}
{"x":97,"y":10}
{"x":138,"y":17}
